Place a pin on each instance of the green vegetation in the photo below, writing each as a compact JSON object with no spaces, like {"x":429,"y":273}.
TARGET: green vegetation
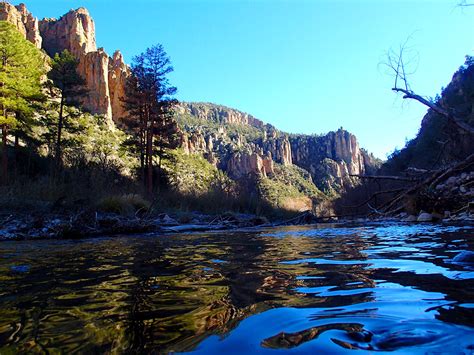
{"x":64,"y":77}
{"x":192,"y":123}
{"x":290,"y":188}
{"x":191,"y":174}
{"x":21,"y":67}
{"x":66,"y":160}
{"x":148,"y":99}
{"x":127,"y":204}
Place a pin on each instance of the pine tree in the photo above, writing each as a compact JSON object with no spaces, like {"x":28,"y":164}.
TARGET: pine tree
{"x":148,"y":99}
{"x":65,"y":77}
{"x":21,"y":68}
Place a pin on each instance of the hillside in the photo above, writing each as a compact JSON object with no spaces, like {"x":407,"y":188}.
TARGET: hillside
{"x":240,"y":144}
{"x":432,"y":176}
{"x":245,"y":157}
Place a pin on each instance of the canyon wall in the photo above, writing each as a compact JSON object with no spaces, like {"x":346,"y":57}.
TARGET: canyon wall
{"x":75,"y":31}
{"x":241,"y":145}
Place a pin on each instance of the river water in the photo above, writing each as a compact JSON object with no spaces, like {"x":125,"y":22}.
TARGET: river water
{"x":316,"y":289}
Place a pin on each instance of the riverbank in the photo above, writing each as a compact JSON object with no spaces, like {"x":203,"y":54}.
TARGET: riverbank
{"x":92,"y":224}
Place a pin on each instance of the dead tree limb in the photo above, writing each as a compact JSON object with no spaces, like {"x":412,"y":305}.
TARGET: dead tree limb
{"x":430,"y":182}
{"x":408,"y":94}
{"x":373,"y":196}
{"x":384,"y":177}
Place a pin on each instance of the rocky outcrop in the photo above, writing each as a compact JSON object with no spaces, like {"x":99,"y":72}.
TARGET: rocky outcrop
{"x":242,"y":165}
{"x":118,"y":74}
{"x":105,"y":77}
{"x":94,"y":68}
{"x":280,"y":148}
{"x":75,"y":31}
{"x":26,"y":24}
{"x":242,"y":146}
{"x":332,"y":158}
{"x":219,"y":114}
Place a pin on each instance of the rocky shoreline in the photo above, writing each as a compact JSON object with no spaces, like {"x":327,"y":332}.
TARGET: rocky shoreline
{"x":94,"y":224}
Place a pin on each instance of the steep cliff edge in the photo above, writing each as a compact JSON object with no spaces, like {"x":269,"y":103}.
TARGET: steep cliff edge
{"x":75,"y":31}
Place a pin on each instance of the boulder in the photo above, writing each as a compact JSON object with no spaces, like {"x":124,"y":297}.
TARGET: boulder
{"x":410,"y":218}
{"x":424,"y":217}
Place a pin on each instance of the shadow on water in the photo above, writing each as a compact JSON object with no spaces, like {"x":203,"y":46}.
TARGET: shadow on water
{"x":300,"y":289}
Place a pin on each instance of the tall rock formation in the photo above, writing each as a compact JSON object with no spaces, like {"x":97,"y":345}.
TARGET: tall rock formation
{"x":75,"y":31}
{"x":332,"y":158}
{"x":26,"y":24}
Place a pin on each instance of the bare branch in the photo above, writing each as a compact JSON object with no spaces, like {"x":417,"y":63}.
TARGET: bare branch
{"x":384,"y":177}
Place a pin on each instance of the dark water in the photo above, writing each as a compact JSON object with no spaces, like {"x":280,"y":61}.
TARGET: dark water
{"x":392,"y":288}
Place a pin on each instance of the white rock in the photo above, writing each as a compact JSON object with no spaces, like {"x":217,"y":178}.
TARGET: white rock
{"x":425,"y":217}
{"x":410,"y":218}
{"x":451,"y":181}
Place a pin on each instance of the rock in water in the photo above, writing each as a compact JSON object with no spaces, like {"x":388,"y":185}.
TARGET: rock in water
{"x":425,"y":217}
{"x":466,"y":257}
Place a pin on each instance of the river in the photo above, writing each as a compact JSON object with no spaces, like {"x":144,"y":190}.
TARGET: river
{"x":389,"y":287}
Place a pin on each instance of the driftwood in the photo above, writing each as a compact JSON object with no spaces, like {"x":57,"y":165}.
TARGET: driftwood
{"x":385,"y":177}
{"x":429,"y":182}
{"x":427,"y":179}
{"x":305,"y":217}
{"x":373,"y":196}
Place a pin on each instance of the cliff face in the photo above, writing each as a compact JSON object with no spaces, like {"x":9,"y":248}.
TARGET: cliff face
{"x":332,"y":158}
{"x":241,"y":145}
{"x":23,"y":20}
{"x":219,"y":114}
{"x":75,"y":31}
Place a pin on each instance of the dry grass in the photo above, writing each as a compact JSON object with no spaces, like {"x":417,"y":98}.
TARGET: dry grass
{"x":126,"y":204}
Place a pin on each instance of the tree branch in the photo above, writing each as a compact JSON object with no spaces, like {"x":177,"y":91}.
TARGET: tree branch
{"x":407,"y":94}
{"x":384,"y":177}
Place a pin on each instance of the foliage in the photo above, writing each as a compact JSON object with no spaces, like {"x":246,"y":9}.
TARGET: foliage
{"x":191,"y":174}
{"x":126,"y":204}
{"x":290,"y":188}
{"x":148,"y":99}
{"x":21,"y":67}
{"x":65,"y":77}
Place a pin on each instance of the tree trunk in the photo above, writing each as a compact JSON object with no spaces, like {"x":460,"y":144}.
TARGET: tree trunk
{"x":15,"y":153}
{"x":4,"y":154}
{"x":160,"y":155}
{"x":149,"y":179}
{"x":58,"y":139}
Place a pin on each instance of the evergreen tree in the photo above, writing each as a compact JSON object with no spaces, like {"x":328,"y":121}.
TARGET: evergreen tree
{"x":148,"y":99}
{"x":65,"y":77}
{"x":21,"y":68}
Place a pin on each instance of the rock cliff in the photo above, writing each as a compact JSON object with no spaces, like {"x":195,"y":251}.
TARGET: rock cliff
{"x":75,"y":31}
{"x":240,"y":144}
{"x":332,"y":158}
{"x":23,"y":20}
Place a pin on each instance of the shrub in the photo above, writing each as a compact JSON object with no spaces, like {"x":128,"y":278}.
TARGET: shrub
{"x":123,"y":204}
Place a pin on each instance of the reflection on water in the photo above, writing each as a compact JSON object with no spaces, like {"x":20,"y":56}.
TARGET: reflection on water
{"x":300,"y":289}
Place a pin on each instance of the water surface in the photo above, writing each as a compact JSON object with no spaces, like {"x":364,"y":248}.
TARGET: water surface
{"x":333,"y":289}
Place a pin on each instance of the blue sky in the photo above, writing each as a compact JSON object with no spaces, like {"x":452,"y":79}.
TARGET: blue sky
{"x":304,"y":66}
